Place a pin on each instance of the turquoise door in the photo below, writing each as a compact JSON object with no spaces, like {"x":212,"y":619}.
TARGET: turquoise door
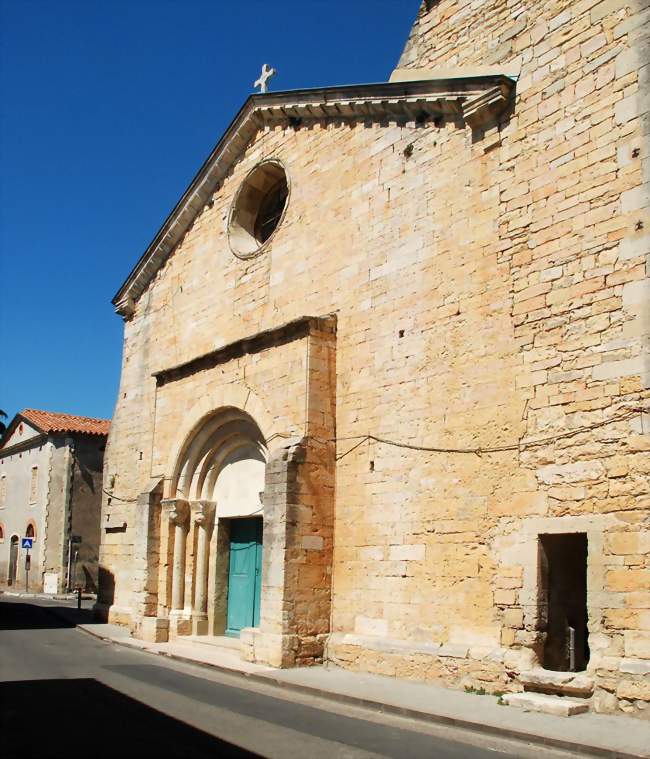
{"x":244,"y":575}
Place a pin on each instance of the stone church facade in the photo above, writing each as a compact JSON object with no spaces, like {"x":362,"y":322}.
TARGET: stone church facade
{"x":386,"y":366}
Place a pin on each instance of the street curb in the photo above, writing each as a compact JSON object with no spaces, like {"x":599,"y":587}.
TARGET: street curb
{"x":402,"y":711}
{"x":376,"y":706}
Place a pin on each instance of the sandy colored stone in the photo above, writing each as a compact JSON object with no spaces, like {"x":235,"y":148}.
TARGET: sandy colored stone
{"x":489,"y":291}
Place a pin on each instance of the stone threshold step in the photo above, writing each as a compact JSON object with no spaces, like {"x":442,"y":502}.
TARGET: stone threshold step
{"x":564,"y":683}
{"x":560,"y":706}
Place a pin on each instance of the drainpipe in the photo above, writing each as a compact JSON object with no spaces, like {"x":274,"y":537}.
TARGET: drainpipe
{"x":67,"y":509}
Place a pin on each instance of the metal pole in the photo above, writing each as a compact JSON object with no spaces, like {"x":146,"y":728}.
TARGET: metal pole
{"x":74,"y":568}
{"x":27,"y":572}
{"x":67,"y":588}
{"x":572,"y":649}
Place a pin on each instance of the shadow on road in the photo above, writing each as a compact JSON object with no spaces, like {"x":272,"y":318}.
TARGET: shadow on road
{"x":352,"y":731}
{"x":83,"y":718}
{"x":21,"y":615}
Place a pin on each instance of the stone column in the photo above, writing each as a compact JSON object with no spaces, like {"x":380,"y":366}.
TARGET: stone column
{"x":218,"y":577}
{"x":178,"y":575}
{"x":203,"y":515}
{"x":177,"y":512}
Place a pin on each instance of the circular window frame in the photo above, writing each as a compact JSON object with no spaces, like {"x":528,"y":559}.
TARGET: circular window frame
{"x":242,"y":236}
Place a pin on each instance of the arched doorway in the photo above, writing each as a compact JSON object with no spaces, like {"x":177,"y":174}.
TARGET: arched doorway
{"x":13,"y":560}
{"x":216,"y":526}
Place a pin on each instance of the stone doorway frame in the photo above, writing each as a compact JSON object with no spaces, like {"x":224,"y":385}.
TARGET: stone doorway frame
{"x":298,"y":506}
{"x":526,"y":553}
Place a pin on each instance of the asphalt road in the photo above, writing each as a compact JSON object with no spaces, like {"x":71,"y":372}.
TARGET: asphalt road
{"x":66,"y":694}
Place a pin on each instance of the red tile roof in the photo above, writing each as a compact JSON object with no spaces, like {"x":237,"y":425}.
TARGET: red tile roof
{"x":49,"y":421}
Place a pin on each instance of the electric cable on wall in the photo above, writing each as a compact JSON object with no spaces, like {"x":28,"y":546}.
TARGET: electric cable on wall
{"x":627,"y":414}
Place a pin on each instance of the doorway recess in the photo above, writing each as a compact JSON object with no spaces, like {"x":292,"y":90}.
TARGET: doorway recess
{"x":563,"y":601}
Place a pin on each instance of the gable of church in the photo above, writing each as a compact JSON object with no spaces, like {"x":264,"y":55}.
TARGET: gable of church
{"x":474,"y":101}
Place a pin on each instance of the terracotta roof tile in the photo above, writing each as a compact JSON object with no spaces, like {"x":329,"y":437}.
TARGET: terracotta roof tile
{"x":49,"y":421}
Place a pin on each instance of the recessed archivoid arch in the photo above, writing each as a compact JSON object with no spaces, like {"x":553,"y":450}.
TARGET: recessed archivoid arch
{"x":224,"y":461}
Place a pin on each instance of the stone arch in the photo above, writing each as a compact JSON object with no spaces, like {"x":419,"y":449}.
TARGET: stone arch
{"x":223,"y":462}
{"x":233,"y":397}
{"x":216,"y":474}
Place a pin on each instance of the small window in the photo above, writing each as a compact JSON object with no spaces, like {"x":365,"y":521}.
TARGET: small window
{"x":2,"y":534}
{"x":3,"y":490}
{"x":258,"y":208}
{"x":271,"y":209}
{"x":30,"y":532}
{"x":33,"y":489}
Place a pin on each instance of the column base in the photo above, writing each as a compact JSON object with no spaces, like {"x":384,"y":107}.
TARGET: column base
{"x":277,"y":650}
{"x":114,"y":615}
{"x":179,"y":626}
{"x":152,"y":629}
{"x":200,"y":625}
{"x":281,"y":650}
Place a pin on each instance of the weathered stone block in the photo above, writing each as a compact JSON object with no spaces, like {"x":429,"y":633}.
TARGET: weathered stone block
{"x":547,"y":681}
{"x":629,"y":542}
{"x":153,"y":630}
{"x":407,"y":553}
{"x":637,"y":644}
{"x":635,"y":666}
{"x":539,"y":702}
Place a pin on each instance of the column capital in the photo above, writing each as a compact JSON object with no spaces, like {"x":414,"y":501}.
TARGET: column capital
{"x":203,"y":512}
{"x":177,"y":510}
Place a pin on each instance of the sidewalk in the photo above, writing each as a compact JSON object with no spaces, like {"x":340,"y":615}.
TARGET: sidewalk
{"x":588,"y":734}
{"x":72,"y":596}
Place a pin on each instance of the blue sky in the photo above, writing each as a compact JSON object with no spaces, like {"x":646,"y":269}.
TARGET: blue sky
{"x":107,"y":110}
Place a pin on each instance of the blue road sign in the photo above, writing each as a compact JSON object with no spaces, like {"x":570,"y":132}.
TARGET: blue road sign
{"x":27,"y":542}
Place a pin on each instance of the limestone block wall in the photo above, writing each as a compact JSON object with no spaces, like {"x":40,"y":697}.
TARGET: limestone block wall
{"x":571,"y":187}
{"x":274,"y":377}
{"x":127,"y":467}
{"x":491,"y":299}
{"x":299,"y":525}
{"x":369,"y":233}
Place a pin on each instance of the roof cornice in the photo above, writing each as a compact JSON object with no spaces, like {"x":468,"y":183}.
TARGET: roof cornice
{"x":476,"y":99}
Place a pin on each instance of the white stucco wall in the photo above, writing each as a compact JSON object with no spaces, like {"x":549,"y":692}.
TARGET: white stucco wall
{"x":240,"y":484}
{"x":18,"y":508}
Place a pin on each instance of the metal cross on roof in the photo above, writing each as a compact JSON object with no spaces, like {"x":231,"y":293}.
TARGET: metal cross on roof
{"x":267,"y":73}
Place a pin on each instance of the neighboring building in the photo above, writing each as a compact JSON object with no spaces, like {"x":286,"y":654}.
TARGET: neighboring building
{"x":386,"y":364}
{"x":50,"y":490}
